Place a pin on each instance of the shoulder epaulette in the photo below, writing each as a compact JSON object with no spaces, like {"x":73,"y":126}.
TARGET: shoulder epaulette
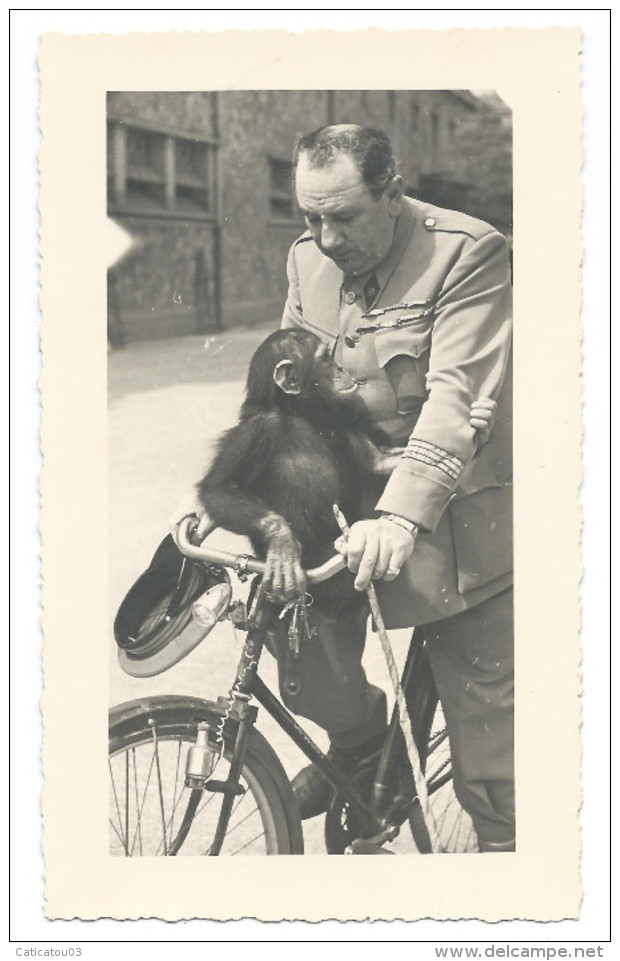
{"x":449,"y":221}
{"x":453,"y":221}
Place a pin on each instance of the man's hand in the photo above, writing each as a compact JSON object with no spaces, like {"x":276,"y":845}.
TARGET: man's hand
{"x":375,"y":550}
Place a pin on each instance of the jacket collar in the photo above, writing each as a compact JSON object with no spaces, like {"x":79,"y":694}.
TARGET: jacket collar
{"x":384,"y":270}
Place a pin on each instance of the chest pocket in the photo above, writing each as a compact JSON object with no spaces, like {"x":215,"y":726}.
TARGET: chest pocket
{"x":404,"y":356}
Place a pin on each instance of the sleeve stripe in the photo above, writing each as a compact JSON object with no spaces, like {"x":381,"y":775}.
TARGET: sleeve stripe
{"x":452,"y":474}
{"x":434,"y":456}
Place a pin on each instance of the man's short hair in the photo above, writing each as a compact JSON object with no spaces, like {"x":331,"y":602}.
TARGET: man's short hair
{"x":369,"y":148}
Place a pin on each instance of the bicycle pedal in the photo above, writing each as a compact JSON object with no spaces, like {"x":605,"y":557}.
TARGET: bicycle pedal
{"x":224,"y":787}
{"x":360,"y":846}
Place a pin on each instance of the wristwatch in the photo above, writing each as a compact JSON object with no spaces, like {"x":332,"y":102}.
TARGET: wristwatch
{"x":413,"y":529}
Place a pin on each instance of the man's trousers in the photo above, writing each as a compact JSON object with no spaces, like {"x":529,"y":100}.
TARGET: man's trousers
{"x":472,"y":660}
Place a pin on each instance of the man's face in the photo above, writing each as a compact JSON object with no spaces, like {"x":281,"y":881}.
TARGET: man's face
{"x":347,"y":223}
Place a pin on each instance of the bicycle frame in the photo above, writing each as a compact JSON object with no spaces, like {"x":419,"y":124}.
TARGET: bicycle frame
{"x":377,"y":816}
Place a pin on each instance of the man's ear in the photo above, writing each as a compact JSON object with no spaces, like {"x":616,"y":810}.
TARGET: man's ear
{"x":394,"y":194}
{"x":285,"y":376}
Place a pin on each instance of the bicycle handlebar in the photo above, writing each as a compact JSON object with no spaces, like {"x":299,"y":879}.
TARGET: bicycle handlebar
{"x":245,"y":562}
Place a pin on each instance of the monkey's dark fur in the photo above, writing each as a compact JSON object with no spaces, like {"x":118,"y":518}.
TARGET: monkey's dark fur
{"x":292,"y":456}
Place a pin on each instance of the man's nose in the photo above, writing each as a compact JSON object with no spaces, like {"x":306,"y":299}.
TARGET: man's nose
{"x":331,"y":236}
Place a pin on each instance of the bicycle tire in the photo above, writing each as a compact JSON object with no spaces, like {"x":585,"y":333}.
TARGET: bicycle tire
{"x":455,"y":829}
{"x":148,"y":739}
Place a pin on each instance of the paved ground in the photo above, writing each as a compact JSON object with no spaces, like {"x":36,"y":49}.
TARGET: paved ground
{"x":168,"y":401}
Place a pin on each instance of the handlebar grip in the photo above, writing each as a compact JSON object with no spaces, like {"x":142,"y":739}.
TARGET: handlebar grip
{"x":244,"y":562}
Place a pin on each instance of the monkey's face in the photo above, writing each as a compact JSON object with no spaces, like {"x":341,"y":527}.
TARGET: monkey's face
{"x":327,"y":376}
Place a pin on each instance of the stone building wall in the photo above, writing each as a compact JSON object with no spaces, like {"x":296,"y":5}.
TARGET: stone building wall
{"x":217,"y":256}
{"x":190,"y":113}
{"x":258,"y":128}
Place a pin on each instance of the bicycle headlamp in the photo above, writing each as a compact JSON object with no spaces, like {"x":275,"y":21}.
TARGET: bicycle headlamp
{"x":156,"y":625}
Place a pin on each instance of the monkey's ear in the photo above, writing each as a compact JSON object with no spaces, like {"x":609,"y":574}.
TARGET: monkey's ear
{"x":285,"y":376}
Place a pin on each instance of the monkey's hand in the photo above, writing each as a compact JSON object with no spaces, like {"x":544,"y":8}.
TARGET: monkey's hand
{"x":190,"y":506}
{"x":482,"y":418}
{"x":284,"y":578}
{"x":375,"y":550}
{"x":387,"y":458}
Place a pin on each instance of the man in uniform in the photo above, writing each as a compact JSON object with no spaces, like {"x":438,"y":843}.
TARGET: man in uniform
{"x":414,"y":302}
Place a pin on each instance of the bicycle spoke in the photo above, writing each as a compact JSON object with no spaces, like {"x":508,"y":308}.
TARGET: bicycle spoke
{"x":448,"y":807}
{"x":175,"y":800}
{"x":143,"y":801}
{"x":207,"y":801}
{"x":116,"y":831}
{"x":247,"y":844}
{"x":453,"y":823}
{"x":127,"y":803}
{"x":174,"y":796}
{"x":233,"y":827}
{"x":179,"y":799}
{"x":118,"y":810}
{"x":154,"y":819}
{"x":455,"y":828}
{"x":160,"y":789}
{"x":435,"y":781}
{"x":138,"y":824}
{"x":436,"y":740}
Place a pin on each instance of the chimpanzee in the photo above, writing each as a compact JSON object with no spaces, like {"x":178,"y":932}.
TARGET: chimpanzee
{"x":304,"y":442}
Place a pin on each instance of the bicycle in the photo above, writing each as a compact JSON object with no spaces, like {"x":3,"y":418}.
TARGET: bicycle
{"x":165,"y":750}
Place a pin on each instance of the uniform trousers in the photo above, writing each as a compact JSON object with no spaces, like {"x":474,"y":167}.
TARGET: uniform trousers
{"x":472,"y":660}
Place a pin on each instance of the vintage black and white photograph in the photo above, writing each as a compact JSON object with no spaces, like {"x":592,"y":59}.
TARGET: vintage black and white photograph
{"x":304,"y":628}
{"x":310,"y":335}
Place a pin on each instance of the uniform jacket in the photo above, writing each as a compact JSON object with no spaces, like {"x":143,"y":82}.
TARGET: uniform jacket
{"x":426,"y":333}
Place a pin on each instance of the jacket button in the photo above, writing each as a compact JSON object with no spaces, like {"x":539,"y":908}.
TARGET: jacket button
{"x":430,"y":222}
{"x":349,"y":297}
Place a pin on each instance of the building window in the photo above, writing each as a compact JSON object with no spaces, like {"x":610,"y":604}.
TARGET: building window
{"x":281,"y":203}
{"x":145,"y":184}
{"x":151,"y":173}
{"x":415,"y":116}
{"x":192,"y":175}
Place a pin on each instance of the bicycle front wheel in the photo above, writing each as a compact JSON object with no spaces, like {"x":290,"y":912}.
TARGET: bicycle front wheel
{"x":152,"y":813}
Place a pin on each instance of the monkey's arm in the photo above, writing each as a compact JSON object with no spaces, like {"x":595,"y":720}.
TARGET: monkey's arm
{"x":228,"y":494}
{"x":383,"y":460}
